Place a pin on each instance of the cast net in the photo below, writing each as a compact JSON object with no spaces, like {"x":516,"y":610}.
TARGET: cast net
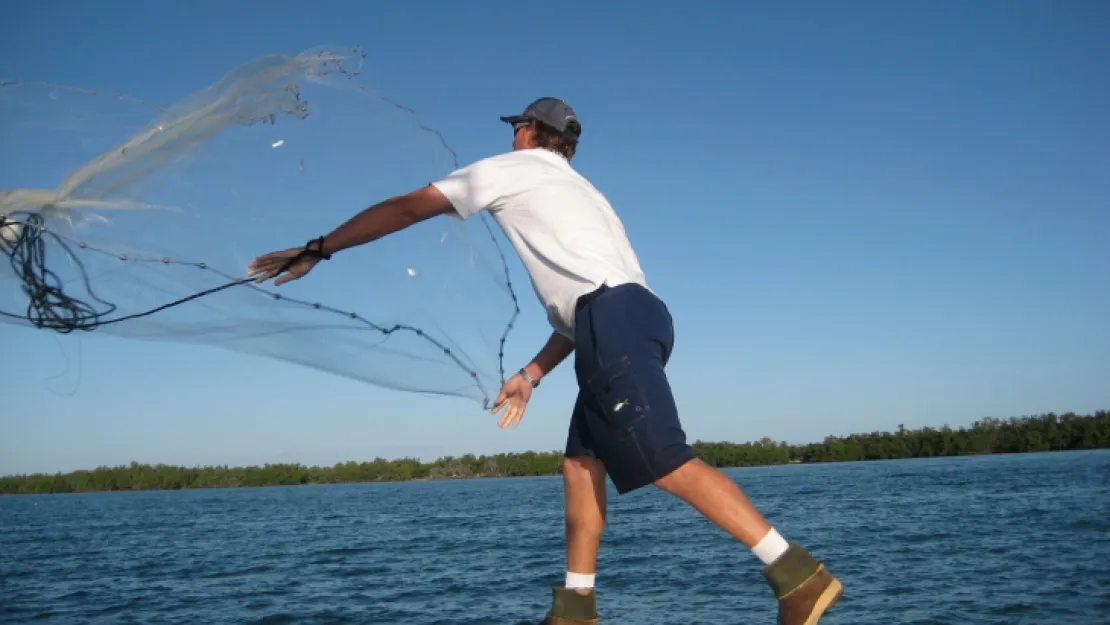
{"x":124,"y":217}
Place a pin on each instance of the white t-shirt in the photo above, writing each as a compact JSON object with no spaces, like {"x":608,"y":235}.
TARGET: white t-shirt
{"x":565,"y":231}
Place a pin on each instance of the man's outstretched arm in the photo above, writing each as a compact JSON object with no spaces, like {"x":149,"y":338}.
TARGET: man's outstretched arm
{"x":387,"y":217}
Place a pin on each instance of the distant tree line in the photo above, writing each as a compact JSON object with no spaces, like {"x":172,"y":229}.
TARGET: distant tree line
{"x":1047,"y":432}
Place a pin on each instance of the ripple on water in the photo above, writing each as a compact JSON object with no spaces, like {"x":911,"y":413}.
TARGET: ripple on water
{"x":970,"y":541}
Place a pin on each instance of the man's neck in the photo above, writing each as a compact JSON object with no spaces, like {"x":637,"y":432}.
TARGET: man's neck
{"x":546,"y":151}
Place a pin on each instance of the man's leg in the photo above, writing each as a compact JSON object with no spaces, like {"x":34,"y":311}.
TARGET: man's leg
{"x":575,"y":602}
{"x":720,"y":500}
{"x":584,"y":492}
{"x":804,"y":588}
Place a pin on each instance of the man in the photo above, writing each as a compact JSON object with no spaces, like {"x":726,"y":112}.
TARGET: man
{"x":625,"y":423}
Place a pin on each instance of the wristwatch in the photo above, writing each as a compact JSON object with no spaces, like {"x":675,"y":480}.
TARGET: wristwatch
{"x":534,"y":382}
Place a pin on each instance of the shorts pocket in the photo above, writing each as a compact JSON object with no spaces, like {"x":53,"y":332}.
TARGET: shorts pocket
{"x":617,"y":393}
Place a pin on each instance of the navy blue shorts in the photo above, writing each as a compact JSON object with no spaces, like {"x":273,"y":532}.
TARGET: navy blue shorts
{"x":625,"y":415}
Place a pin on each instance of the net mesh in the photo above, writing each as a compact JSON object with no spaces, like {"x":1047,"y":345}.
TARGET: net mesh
{"x":127,"y":218}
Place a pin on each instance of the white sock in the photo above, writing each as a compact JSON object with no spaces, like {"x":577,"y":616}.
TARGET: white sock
{"x":579,"y":580}
{"x":770,"y":547}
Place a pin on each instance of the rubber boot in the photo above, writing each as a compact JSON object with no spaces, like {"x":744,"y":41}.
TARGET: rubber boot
{"x":570,"y":608}
{"x":804,"y":588}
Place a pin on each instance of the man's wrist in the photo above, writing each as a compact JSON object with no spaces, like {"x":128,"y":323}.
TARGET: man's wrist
{"x":532,"y":374}
{"x":319,"y":248}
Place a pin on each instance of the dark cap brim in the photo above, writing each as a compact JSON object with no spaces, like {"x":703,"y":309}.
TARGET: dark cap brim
{"x":512,"y":119}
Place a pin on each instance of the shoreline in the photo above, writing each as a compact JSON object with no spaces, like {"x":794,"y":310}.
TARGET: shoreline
{"x":1016,"y":435}
{"x":551,"y":475}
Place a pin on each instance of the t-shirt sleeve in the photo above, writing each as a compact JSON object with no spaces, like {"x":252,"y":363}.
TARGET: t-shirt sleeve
{"x":480,"y":185}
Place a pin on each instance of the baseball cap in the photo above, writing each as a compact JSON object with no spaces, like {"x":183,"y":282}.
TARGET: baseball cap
{"x":553,"y":112}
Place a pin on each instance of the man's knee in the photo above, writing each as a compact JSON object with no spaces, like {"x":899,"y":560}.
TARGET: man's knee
{"x":584,"y":483}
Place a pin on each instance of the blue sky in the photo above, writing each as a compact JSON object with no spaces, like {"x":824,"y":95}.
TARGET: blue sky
{"x":896,"y":214}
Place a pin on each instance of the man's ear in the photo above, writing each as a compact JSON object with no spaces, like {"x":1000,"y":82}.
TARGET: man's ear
{"x":530,"y":137}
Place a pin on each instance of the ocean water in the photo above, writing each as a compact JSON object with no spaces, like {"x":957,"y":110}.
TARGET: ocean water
{"x":968,"y":541}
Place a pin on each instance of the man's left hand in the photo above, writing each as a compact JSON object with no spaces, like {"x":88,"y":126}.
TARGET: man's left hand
{"x":515,"y":394}
{"x":269,"y":265}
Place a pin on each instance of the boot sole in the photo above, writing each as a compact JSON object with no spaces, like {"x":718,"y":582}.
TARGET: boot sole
{"x":826,"y":601}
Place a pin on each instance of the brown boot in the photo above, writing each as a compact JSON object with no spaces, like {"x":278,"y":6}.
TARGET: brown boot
{"x":804,"y":588}
{"x":570,"y":608}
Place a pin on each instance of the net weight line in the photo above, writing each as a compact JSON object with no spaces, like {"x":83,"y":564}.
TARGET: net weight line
{"x":50,"y":307}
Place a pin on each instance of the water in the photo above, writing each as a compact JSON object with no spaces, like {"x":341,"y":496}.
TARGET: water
{"x":968,"y":541}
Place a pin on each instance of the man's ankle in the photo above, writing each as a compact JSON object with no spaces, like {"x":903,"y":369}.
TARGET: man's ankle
{"x":581,"y":583}
{"x":771,"y":547}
